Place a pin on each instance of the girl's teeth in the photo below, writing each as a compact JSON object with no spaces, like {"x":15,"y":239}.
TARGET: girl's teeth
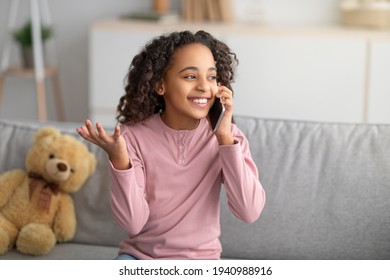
{"x":200,"y":100}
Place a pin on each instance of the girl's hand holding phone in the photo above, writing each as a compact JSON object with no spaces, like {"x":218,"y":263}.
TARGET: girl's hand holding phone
{"x":224,"y":132}
{"x":114,"y":145}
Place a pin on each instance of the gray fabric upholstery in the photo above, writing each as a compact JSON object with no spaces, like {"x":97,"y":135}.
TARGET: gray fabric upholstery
{"x":328,"y":192}
{"x":95,"y":223}
{"x":70,"y":251}
{"x":327,"y":186}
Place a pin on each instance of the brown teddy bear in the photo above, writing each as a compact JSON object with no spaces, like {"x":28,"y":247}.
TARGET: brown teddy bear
{"x":36,"y":208}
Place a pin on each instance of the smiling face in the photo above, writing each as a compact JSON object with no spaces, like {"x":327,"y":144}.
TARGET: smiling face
{"x":188,"y":87}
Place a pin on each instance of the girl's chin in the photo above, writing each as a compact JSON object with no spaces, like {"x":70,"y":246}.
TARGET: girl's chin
{"x":201,"y":116}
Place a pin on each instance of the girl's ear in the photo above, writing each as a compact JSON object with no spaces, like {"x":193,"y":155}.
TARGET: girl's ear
{"x":160,"y":89}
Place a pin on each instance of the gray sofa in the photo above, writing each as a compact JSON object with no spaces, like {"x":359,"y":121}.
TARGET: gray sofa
{"x":327,"y":186}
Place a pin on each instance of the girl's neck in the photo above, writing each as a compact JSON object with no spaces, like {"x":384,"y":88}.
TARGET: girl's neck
{"x":179,"y":124}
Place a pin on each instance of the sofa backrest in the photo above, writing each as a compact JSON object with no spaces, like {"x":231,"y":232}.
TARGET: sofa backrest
{"x":328,"y":192}
{"x":327,"y":188}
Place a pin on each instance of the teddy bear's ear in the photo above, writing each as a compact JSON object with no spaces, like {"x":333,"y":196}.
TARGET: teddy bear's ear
{"x":44,"y":132}
{"x":92,"y":163}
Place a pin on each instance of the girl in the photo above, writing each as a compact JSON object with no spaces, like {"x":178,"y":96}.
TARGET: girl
{"x":167,"y":164}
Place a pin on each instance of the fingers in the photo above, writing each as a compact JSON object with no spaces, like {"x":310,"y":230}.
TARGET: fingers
{"x":83,"y":131}
{"x":92,"y":133}
{"x":101,"y":133}
{"x":97,"y":136}
{"x":117,"y":132}
{"x":225,"y":95}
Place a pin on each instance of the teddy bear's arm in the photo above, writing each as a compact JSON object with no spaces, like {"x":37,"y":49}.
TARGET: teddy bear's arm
{"x":65,"y":220}
{"x":9,"y":181}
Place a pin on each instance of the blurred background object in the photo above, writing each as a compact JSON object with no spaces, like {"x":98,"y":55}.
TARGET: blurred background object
{"x":31,"y":38}
{"x":366,"y":13}
{"x":161,"y":6}
{"x":24,"y":37}
{"x":207,"y":10}
{"x":159,"y":12}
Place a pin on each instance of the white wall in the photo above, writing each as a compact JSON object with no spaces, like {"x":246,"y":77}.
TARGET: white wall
{"x":72,"y":19}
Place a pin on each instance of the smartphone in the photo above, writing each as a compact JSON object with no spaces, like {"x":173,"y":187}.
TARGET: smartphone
{"x":215,"y":114}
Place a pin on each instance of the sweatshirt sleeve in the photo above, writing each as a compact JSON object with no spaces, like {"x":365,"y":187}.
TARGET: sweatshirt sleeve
{"x":128,"y":201}
{"x":245,"y":194}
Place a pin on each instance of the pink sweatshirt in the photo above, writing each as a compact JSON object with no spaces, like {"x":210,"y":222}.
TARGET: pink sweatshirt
{"x":168,"y":201}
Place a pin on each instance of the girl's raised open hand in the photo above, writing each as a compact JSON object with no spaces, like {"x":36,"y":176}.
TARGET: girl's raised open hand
{"x":114,"y":145}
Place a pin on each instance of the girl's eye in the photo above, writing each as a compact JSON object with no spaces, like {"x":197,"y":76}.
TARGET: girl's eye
{"x":212,"y":78}
{"x":191,"y":77}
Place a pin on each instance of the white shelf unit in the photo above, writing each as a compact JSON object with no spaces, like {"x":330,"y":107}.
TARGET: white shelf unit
{"x":307,"y":73}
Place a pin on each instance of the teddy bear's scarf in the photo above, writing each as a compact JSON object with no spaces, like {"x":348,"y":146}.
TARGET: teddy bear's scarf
{"x":48,"y":189}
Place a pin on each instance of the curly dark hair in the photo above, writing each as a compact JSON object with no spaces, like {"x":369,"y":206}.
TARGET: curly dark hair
{"x":141,"y":100}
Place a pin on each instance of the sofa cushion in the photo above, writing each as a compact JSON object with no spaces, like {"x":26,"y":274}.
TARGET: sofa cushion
{"x":328,"y":192}
{"x":70,"y":251}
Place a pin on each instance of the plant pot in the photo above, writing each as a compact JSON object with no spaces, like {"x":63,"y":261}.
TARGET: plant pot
{"x":28,"y":57}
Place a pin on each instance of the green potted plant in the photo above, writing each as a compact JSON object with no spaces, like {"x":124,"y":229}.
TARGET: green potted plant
{"x":23,"y":36}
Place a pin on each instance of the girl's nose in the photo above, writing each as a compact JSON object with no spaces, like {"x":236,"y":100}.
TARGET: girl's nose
{"x":203,"y":85}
